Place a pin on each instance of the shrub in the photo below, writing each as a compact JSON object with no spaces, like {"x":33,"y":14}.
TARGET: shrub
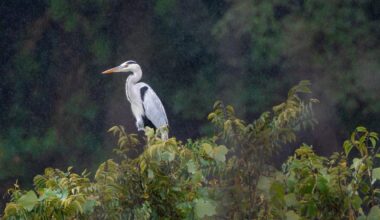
{"x":226,"y":176}
{"x":167,"y":180}
{"x":343,"y":186}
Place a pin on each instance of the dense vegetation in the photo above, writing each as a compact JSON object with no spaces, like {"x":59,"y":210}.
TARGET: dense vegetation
{"x":226,"y":176}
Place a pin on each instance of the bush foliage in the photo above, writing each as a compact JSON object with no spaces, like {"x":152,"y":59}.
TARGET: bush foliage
{"x":226,"y":176}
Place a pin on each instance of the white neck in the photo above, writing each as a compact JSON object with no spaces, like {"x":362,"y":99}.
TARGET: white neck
{"x":130,"y":88}
{"x":135,"y":77}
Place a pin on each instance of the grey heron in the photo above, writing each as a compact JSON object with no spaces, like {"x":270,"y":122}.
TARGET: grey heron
{"x":146,"y":106}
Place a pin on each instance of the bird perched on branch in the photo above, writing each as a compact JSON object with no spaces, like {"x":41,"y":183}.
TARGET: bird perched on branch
{"x":146,"y":106}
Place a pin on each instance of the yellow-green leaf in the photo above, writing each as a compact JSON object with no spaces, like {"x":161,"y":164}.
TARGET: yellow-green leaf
{"x":191,"y":168}
{"x":291,"y":215}
{"x":347,"y":147}
{"x":204,"y":207}
{"x":376,"y":173}
{"x":264,"y":184}
{"x":28,"y":200}
{"x":150,"y":174}
{"x":291,"y":200}
{"x":361,"y":129}
{"x":374,"y":213}
{"x":168,"y":156}
{"x":207,"y":149}
{"x":220,"y":153}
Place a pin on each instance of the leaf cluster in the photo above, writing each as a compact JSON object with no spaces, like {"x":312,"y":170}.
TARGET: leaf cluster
{"x":343,"y":186}
{"x":168,"y":180}
{"x":253,"y":146}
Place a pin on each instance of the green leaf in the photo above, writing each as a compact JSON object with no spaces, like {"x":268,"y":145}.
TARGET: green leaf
{"x":264,"y":184}
{"x":185,"y":206}
{"x":376,"y":173}
{"x":277,"y":190}
{"x":204,"y":207}
{"x":63,"y":194}
{"x":197,"y":176}
{"x":220,"y":153}
{"x":88,"y":206}
{"x":168,"y":156}
{"x":374,"y":213}
{"x":149,"y":132}
{"x":322,"y":184}
{"x":291,"y":200}
{"x":150,"y":174}
{"x":48,"y":193}
{"x":347,"y":145}
{"x":191,"y":168}
{"x":28,"y":200}
{"x":142,"y":165}
{"x":311,"y":209}
{"x":356,"y":201}
{"x":374,"y":135}
{"x":211,"y":116}
{"x":373,"y":141}
{"x":208,"y":149}
{"x":217,"y":153}
{"x":355,"y":163}
{"x":364,"y":188}
{"x":361,"y":129}
{"x":291,"y":215}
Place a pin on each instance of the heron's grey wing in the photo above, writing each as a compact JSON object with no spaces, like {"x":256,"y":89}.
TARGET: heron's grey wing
{"x":154,"y":110}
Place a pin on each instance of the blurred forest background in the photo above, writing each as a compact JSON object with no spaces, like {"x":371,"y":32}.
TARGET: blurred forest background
{"x":56,"y":106}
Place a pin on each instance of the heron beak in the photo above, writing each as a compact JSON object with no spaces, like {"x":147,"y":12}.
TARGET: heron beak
{"x":112,"y":70}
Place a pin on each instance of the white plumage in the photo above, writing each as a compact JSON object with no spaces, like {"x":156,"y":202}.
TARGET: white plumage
{"x":145,"y":104}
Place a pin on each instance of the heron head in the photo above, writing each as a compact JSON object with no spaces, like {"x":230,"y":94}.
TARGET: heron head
{"x":128,"y":66}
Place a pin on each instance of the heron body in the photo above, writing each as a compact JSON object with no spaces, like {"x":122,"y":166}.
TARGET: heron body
{"x":145,"y":104}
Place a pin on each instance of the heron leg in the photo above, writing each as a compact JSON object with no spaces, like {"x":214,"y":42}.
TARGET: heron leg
{"x":140,"y":125}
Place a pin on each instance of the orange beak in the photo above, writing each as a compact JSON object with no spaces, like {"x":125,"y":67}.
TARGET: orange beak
{"x":112,"y":70}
